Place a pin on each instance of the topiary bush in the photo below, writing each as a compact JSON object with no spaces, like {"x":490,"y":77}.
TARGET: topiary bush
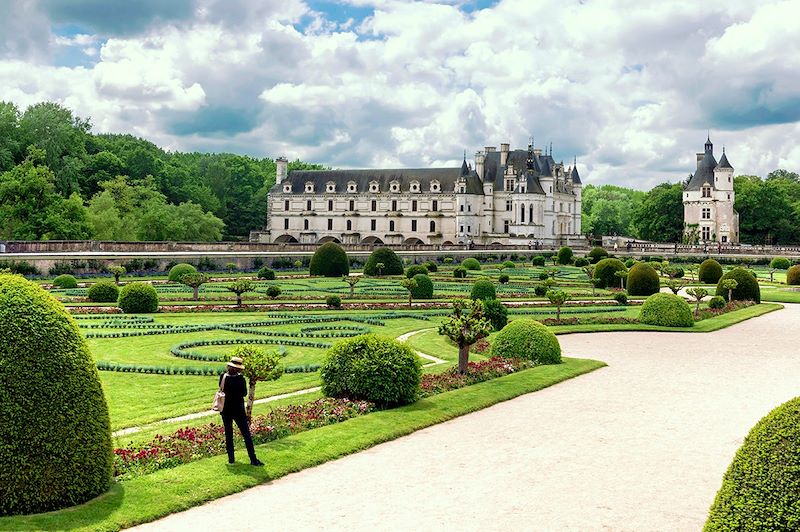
{"x":710,"y":272}
{"x":604,"y":272}
{"x":540,"y":290}
{"x":65,"y":281}
{"x":761,"y":489}
{"x":138,"y":298}
{"x":747,"y":288}
{"x":716,"y":303}
{"x":527,"y":339}
{"x":266,"y":273}
{"x":103,"y":292}
{"x":179,"y":270}
{"x":565,"y":255}
{"x":643,"y":280}
{"x":417,"y":269}
{"x":538,"y":260}
{"x":509,"y":264}
{"x":503,"y":278}
{"x":273,"y":291}
{"x":391,"y":263}
{"x":431,"y":266}
{"x":793,"y":275}
{"x":459,"y":272}
{"x":667,"y":310}
{"x":329,"y":260}
{"x":496,"y":312}
{"x":471,"y":264}
{"x":621,"y":298}
{"x":483,"y":289}
{"x":55,"y":435}
{"x":780,"y":263}
{"x":597,"y":254}
{"x":372,"y":368}
{"x":333,"y":301}
{"x":424,"y":288}
{"x":630,"y":262}
{"x":580,"y":262}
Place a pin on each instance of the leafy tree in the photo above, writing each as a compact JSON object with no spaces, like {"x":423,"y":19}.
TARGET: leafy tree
{"x":659,"y":216}
{"x":351,"y":280}
{"x":410,"y":285}
{"x":766,"y":213}
{"x":609,"y":209}
{"x":240,"y":287}
{"x":729,"y":285}
{"x":259,"y":366}
{"x":9,"y":135}
{"x":698,"y":294}
{"x":621,"y":275}
{"x":558,"y":298}
{"x":465,"y":326}
{"x":195,"y":281}
{"x":117,"y":272}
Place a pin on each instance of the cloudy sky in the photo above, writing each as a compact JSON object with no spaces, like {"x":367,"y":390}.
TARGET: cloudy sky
{"x":630,"y":88}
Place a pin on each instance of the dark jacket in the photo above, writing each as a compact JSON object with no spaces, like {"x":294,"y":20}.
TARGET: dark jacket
{"x":235,"y":392}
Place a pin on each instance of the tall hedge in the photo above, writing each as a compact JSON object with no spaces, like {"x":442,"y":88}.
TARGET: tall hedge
{"x":643,"y":280}
{"x":329,"y":260}
{"x":179,"y":270}
{"x":666,"y":310}
{"x":793,"y":275}
{"x":424,"y":288}
{"x":597,"y":254}
{"x":138,"y":298}
{"x":392,"y":265}
{"x":55,"y":434}
{"x":710,"y":271}
{"x":747,"y":288}
{"x":527,"y":339}
{"x":761,"y":489}
{"x":604,"y":272}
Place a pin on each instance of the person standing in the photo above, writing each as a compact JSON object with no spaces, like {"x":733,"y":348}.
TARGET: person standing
{"x":233,"y":384}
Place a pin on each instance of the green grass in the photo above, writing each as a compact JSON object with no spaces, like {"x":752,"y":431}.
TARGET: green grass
{"x":167,"y":491}
{"x":781,"y":295}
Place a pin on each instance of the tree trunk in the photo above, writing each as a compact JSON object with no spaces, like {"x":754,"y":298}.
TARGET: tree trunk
{"x":463,"y":358}
{"x":238,"y":300}
{"x":558,"y":313}
{"x":251,"y":395}
{"x":697,"y":308}
{"x":196,"y":289}
{"x":730,"y":295}
{"x":116,"y":280}
{"x":410,"y":295}
{"x":352,"y":289}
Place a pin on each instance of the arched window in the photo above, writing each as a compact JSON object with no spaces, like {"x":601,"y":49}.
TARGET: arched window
{"x":391,"y":225}
{"x":522,"y":214}
{"x":305,"y":225}
{"x":349,"y":225}
{"x":433,"y":226}
{"x":530,"y":217}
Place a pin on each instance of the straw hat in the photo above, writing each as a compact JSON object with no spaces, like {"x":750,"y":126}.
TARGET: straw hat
{"x":236,"y":362}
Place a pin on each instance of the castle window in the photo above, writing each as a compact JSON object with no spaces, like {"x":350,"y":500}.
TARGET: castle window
{"x":373,"y":186}
{"x":287,"y":187}
{"x":349,"y":225}
{"x":433,"y":226}
{"x":309,"y":186}
{"x":509,"y":185}
{"x":414,"y":205}
{"x":415,"y":186}
{"x":461,"y":208}
{"x":352,"y":205}
{"x":330,"y":205}
{"x":729,"y":195}
{"x":394,"y":186}
{"x":435,"y":205}
{"x":530,"y":214}
{"x":461,"y":229}
{"x":413,"y":225}
{"x":308,"y":205}
{"x":522,"y":213}
{"x":706,"y":192}
{"x":391,"y":225}
{"x":394,"y":205}
{"x":706,"y":233}
{"x":505,"y":226}
{"x":286,"y":223}
{"x":469,"y":229}
{"x":462,"y":189}
{"x":351,"y":186}
{"x":435,"y":186}
{"x":469,"y":207}
{"x":305,"y":225}
{"x":706,"y":213}
{"x":509,"y":206}
{"x":330,"y":186}
{"x":286,"y":205}
{"x":330,"y":224}
{"x":374,"y":205}
{"x":372,"y":224}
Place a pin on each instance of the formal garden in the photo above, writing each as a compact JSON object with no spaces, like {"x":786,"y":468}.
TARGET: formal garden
{"x":340,"y":356}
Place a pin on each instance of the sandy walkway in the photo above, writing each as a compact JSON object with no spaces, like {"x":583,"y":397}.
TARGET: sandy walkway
{"x":640,"y":445}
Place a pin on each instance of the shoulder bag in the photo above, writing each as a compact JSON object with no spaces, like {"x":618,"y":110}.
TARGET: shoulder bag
{"x":219,"y":397}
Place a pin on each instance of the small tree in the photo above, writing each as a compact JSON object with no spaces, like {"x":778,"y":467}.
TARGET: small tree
{"x":380,"y":266}
{"x":552,"y":272}
{"x":298,"y":264}
{"x":698,"y":294}
{"x":692,"y":268}
{"x":231,"y":267}
{"x":195,"y":281}
{"x":351,"y":280}
{"x":772,"y":274}
{"x":466,"y":326}
{"x":410,"y":285}
{"x":589,"y":271}
{"x":674,"y":285}
{"x":622,"y":275}
{"x":557,"y":298}
{"x":273,"y":291}
{"x":117,"y":272}
{"x":730,"y":285}
{"x":240,"y":287}
{"x":259,"y":365}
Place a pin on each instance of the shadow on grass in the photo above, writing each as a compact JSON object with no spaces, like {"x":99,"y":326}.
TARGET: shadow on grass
{"x":85,"y":515}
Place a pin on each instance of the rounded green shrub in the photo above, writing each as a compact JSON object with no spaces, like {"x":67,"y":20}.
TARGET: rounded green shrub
{"x":643,"y":280}
{"x":179,"y":270}
{"x":604,"y":272}
{"x":103,"y":292}
{"x":580,"y":262}
{"x":431,"y":266}
{"x":565,"y":255}
{"x":793,"y":275}
{"x":529,"y":340}
{"x":543,"y":276}
{"x":424,"y":288}
{"x":329,"y":260}
{"x":266,"y":273}
{"x":273,"y":291}
{"x":710,"y":271}
{"x":509,"y":264}
{"x":538,"y":260}
{"x":372,"y":368}
{"x":503,"y":278}
{"x":540,"y":290}
{"x":55,"y":435}
{"x":496,"y":312}
{"x":597,"y":254}
{"x":630,"y":262}
{"x":667,"y":310}
{"x":716,"y":303}
{"x":780,"y":263}
{"x":138,"y":298}
{"x":483,"y":289}
{"x":621,"y":298}
{"x":417,"y":269}
{"x":333,"y":301}
{"x":392,"y":265}
{"x":65,"y":281}
{"x":747,"y":288}
{"x":678,"y":272}
{"x":471,"y":264}
{"x":761,"y":489}
{"x":459,"y":272}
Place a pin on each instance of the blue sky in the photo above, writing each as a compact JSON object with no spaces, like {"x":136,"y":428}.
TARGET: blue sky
{"x":629,"y":88}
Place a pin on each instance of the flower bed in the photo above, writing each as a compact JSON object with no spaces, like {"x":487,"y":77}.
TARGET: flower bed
{"x":706,"y":313}
{"x":431,"y":384}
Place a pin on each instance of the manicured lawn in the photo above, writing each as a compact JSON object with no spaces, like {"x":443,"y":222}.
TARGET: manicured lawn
{"x":167,"y":491}
{"x":784,"y":295}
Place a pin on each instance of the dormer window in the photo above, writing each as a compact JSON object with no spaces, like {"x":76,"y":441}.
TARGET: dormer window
{"x":706,"y":191}
{"x":309,"y":186}
{"x":351,"y":186}
{"x":373,"y":186}
{"x":287,"y":187}
{"x":330,"y":186}
{"x":435,"y":186}
{"x":414,"y":186}
{"x":394,"y":186}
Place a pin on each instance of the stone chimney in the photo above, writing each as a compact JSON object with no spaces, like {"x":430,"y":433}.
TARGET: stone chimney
{"x":700,"y":158}
{"x":480,"y":158}
{"x":280,"y":173}
{"x":503,"y":153}
{"x":490,"y":149}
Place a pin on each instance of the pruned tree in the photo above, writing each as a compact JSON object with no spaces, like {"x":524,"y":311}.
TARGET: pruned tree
{"x":622,"y":275}
{"x":558,"y":298}
{"x":240,"y":287}
{"x":692,"y":268}
{"x":351,"y":280}
{"x":465,"y":326}
{"x":698,"y":294}
{"x":195,"y":281}
{"x":730,"y":285}
{"x":380,"y":266}
{"x":410,"y":285}
{"x":589,"y":271}
{"x":259,"y":366}
{"x":117,"y":272}
{"x":674,"y":285}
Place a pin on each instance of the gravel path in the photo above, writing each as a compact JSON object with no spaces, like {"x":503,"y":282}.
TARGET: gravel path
{"x":639,"y":445}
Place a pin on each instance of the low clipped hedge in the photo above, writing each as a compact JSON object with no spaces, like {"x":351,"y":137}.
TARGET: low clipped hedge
{"x":643,"y":280}
{"x":565,"y":255}
{"x":266,"y":273}
{"x":424,"y":288}
{"x":417,"y":269}
{"x":710,"y":271}
{"x":780,"y":263}
{"x":597,"y":254}
{"x":793,"y":275}
{"x":372,"y":368}
{"x":604,"y":272}
{"x":392,"y":265}
{"x":471,"y":264}
{"x":527,"y":339}
{"x":55,"y":435}
{"x":138,"y":298}
{"x":666,"y":310}
{"x":747,"y":288}
{"x":483,"y":289}
{"x":65,"y":281}
{"x":329,"y":260}
{"x":103,"y":292}
{"x":761,"y":489}
{"x":179,"y":270}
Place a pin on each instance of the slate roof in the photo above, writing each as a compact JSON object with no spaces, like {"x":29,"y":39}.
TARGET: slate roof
{"x":575,"y":177}
{"x":446,"y":177}
{"x":723,"y":163}
{"x":519,"y":160}
{"x":704,"y":173}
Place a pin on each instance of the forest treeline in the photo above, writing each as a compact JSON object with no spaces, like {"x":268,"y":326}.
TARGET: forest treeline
{"x":59,"y":181}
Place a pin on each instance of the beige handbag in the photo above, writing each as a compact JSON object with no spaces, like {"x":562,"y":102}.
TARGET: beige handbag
{"x":219,"y":397}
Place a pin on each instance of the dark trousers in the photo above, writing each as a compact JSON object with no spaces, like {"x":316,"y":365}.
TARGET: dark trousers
{"x":244,"y":428}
